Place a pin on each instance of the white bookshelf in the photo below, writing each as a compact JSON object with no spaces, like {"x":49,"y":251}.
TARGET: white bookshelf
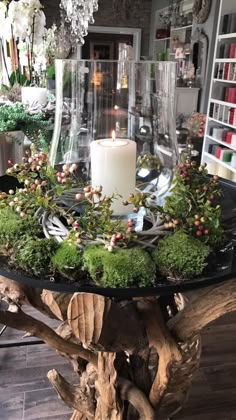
{"x":221,"y":113}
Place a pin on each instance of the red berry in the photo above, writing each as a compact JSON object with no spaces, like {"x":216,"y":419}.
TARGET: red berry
{"x":206,"y":232}
{"x":176,"y":222}
{"x":201,"y":227}
{"x":76,"y":225}
{"x":10,"y":162}
{"x":205,"y":188}
{"x":119,"y":236}
{"x":199,"y":233}
{"x":197,"y":223}
{"x":181,"y":165}
{"x":33,"y":187}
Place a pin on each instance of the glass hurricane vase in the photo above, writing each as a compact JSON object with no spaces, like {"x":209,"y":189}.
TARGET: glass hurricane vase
{"x":115,"y":101}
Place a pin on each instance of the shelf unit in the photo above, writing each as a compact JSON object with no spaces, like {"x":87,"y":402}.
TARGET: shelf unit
{"x":221,"y":113}
{"x":163,"y":45}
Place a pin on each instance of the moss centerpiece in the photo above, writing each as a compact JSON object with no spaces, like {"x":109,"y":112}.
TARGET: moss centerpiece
{"x":44,"y":237}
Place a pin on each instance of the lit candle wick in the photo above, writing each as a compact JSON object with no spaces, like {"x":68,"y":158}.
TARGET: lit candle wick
{"x":113,"y":135}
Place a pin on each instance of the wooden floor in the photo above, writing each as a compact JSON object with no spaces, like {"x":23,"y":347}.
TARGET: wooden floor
{"x":25,"y":392}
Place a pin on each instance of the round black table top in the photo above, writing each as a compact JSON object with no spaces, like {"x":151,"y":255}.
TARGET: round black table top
{"x":225,"y":271}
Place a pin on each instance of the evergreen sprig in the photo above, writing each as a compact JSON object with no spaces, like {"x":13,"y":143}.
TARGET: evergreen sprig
{"x":17,"y":118}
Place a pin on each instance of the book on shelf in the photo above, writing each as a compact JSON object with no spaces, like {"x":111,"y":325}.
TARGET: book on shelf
{"x":228,"y":72}
{"x":230,"y":95}
{"x":232,"y":116}
{"x":232,"y":50}
{"x":228,"y":23}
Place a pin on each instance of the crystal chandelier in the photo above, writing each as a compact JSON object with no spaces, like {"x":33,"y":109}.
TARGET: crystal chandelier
{"x":79,"y":13}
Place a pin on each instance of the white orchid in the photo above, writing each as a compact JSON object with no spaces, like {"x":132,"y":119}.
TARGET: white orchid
{"x":39,"y":27}
{"x":5,"y":29}
{"x":33,"y":4}
{"x":3,"y":11}
{"x":24,"y":21}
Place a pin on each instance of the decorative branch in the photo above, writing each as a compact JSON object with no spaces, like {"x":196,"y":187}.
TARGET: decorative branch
{"x":109,"y":405}
{"x":81,"y":399}
{"x":161,"y":339}
{"x":210,"y":305}
{"x":129,"y":392}
{"x":24,"y":322}
{"x":92,"y":318}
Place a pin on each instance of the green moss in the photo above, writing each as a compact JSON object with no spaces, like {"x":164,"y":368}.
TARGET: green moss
{"x":181,"y":256}
{"x":13,"y":227}
{"x":34,"y":255}
{"x":67,"y":257}
{"x":120,"y":268}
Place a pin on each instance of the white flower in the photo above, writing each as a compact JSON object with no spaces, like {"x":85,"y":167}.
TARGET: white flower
{"x":5,"y":29}
{"x":39,"y":27}
{"x":13,"y":10}
{"x":33,"y":4}
{"x":3,"y":11}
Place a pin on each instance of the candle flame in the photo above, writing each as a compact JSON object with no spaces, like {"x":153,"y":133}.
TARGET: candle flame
{"x":113,"y":135}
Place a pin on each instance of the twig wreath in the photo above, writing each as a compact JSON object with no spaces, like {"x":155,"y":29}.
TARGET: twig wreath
{"x":56,"y":227}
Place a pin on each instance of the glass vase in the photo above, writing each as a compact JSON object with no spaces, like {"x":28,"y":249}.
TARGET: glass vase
{"x":115,"y":102}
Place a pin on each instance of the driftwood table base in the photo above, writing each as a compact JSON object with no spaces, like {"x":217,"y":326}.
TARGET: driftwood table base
{"x":135,"y":359}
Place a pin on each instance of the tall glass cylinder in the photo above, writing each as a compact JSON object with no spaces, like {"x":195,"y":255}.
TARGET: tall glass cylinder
{"x":109,"y":101}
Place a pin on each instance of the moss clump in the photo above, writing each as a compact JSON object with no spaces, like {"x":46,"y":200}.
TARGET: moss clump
{"x":34,"y":255}
{"x":120,"y":268}
{"x":67,"y":258}
{"x":181,"y":256}
{"x":13,"y":227}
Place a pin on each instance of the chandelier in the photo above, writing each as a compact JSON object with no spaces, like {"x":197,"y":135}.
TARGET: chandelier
{"x":79,"y":13}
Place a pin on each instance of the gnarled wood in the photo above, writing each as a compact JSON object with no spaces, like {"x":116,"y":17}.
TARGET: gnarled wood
{"x":57,"y":303}
{"x":24,"y":322}
{"x":127,"y":332}
{"x":93,"y":317}
{"x":13,"y":291}
{"x":213,"y":303}
{"x":78,"y":416}
{"x":160,"y":338}
{"x":77,"y":363}
{"x":81,"y":399}
{"x":137,"y":398}
{"x":109,"y":404}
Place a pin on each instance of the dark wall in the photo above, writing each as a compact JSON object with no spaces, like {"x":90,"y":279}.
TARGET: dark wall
{"x":106,"y":16}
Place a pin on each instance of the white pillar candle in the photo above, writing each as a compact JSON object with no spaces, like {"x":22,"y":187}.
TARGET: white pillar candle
{"x":113,"y":166}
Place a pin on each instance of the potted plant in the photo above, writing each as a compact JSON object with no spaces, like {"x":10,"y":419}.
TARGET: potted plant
{"x":24,"y":26}
{"x":16,"y":122}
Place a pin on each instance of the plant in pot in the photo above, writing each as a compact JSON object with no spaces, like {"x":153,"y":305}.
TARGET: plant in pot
{"x":16,"y":122}
{"x":24,"y":27}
